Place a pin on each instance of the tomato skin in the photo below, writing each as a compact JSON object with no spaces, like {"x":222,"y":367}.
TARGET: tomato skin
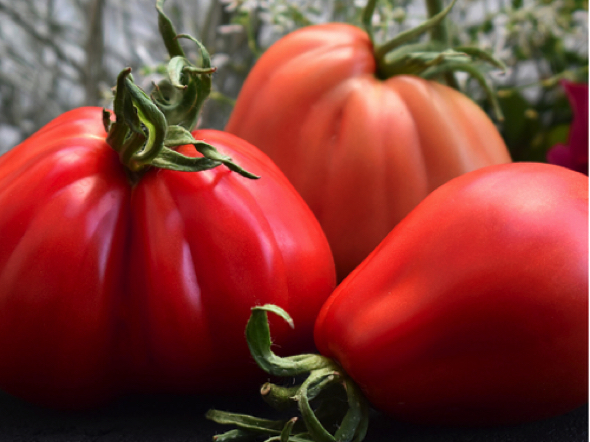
{"x":361,"y":151}
{"x":474,"y":310}
{"x":108,"y":288}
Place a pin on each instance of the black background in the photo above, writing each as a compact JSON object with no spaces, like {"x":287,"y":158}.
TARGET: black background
{"x":174,"y":419}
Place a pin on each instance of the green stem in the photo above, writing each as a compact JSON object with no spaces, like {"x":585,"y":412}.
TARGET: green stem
{"x":434,"y":58}
{"x":367,"y":18}
{"x":314,"y":426}
{"x":258,"y":337}
{"x":155,"y":124}
{"x":322,"y":375}
{"x":280,"y":398}
{"x":438,"y":32}
{"x":147,"y":128}
{"x":406,"y":36}
{"x":356,"y":421}
{"x":167,"y":32}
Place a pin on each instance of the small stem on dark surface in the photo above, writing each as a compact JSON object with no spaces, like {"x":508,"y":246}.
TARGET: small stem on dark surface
{"x":323,"y":375}
{"x":280,"y":398}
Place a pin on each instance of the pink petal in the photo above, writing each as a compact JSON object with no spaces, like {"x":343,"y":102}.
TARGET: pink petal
{"x":578,"y":137}
{"x":561,"y":155}
{"x":574,"y":155}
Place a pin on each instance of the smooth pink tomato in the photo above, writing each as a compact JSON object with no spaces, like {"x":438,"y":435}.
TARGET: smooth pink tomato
{"x":361,"y":151}
{"x":474,"y":309}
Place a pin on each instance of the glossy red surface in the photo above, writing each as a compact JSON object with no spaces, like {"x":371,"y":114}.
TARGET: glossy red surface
{"x":108,"y":288}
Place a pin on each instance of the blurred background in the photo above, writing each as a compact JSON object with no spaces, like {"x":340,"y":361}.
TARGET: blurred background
{"x":56,"y":55}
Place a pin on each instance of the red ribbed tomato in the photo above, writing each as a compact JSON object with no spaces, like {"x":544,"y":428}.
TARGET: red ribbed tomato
{"x":474,"y":309}
{"x":109,"y":287}
{"x":362,"y":151}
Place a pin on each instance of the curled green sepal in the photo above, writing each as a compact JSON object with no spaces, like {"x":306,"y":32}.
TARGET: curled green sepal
{"x":277,"y":396}
{"x":477,"y":75}
{"x":411,"y":34}
{"x":153,"y":126}
{"x":248,"y":423}
{"x":167,"y":32}
{"x":482,"y":55}
{"x":433,"y":58}
{"x":259,"y":342}
{"x":287,"y":430}
{"x":323,"y":377}
{"x":147,"y":128}
{"x":182,"y":94}
{"x":415,"y":63}
{"x":142,"y":137}
{"x":173,"y":160}
{"x":249,"y":427}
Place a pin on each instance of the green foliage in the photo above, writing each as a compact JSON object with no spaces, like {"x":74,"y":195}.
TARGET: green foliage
{"x":541,"y":42}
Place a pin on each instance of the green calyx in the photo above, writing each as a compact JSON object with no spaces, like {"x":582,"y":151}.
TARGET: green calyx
{"x":325,"y":385}
{"x":434,"y":58}
{"x":147,"y":128}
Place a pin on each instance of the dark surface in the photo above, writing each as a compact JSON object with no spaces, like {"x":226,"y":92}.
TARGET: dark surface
{"x":169,"y":419}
